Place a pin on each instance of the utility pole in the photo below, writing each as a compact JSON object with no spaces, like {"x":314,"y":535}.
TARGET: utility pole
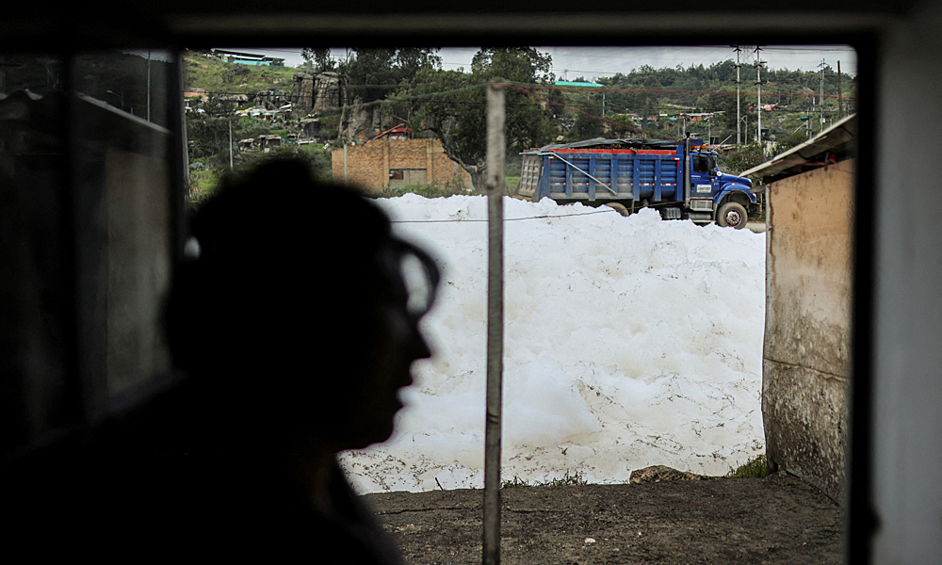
{"x":738,"y":82}
{"x":148,"y":88}
{"x":759,"y":63}
{"x":840,"y":94}
{"x":821,"y":101}
{"x":496,"y":144}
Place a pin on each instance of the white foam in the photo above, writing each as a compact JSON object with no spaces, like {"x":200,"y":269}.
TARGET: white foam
{"x":628,"y":342}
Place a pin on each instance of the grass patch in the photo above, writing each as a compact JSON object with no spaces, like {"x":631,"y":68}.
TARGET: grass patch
{"x":204,"y":71}
{"x":434,"y":190}
{"x":569,"y":479}
{"x":516,"y":482}
{"x":510,"y":185}
{"x":203,"y":184}
{"x":752,"y":469}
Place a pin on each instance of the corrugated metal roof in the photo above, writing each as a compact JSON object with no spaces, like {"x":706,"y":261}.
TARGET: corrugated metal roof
{"x":580,"y":83}
{"x":837,"y":138}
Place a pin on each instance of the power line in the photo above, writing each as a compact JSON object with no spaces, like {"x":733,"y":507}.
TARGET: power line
{"x":521,"y":218}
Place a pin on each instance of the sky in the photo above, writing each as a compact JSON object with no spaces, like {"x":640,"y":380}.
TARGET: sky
{"x":642,"y":347}
{"x":590,"y":63}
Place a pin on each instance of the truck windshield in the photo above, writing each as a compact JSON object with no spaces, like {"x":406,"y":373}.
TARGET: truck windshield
{"x":702,"y":163}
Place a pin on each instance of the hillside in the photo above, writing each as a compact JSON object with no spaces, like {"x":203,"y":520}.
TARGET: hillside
{"x":647,"y":102}
{"x":234,"y":114}
{"x":667,"y":102}
{"x":203,"y":71}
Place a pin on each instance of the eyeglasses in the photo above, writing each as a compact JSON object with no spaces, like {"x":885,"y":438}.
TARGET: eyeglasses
{"x":420,"y":276}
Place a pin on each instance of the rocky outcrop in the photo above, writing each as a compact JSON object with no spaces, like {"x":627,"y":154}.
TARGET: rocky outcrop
{"x":658,"y":473}
{"x":327,"y":87}
{"x":314,"y":94}
{"x":302,"y":95}
{"x":361,"y":122}
{"x":271,"y":99}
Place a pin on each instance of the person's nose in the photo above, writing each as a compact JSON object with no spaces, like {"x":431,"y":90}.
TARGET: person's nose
{"x":420,"y":347}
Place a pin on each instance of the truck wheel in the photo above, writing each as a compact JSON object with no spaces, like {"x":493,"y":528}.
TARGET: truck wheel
{"x":618,"y":207}
{"x":733,"y":215}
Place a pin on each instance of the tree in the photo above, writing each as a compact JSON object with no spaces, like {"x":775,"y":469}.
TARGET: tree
{"x":451,"y":105}
{"x":789,"y":141}
{"x":588,"y":124}
{"x":207,"y":137}
{"x":744,"y":157}
{"x":369,"y":76}
{"x":319,"y":58}
{"x":374,"y":73}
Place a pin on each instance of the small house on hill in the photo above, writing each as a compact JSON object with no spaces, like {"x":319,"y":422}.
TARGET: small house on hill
{"x":253,"y":59}
{"x":806,"y":371}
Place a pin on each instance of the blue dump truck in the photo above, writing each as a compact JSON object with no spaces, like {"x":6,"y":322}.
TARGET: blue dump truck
{"x":679,"y":179}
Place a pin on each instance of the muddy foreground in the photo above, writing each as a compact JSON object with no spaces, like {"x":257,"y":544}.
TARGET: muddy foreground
{"x":779,"y":519}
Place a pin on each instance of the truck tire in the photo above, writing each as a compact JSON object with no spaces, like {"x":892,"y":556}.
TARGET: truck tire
{"x":618,"y":207}
{"x":732,"y":215}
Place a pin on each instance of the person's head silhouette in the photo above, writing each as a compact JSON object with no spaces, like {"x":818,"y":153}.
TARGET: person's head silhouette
{"x":299,"y":308}
{"x":295,"y":316}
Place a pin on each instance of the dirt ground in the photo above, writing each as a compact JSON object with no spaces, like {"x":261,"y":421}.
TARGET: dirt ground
{"x":778,"y":519}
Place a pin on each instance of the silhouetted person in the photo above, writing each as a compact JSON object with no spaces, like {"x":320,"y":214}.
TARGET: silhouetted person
{"x":296,"y":318}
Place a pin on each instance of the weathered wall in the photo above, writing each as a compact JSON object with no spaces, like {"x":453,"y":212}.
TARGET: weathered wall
{"x":368,"y":165}
{"x":125,"y":251}
{"x":806,"y":359}
{"x":137,"y":199}
{"x":90,"y":266}
{"x":905,"y":352}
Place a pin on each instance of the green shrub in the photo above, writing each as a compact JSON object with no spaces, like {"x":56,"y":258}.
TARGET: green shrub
{"x":568,"y":479}
{"x":517,"y":482}
{"x":434,"y":190}
{"x":752,"y":469}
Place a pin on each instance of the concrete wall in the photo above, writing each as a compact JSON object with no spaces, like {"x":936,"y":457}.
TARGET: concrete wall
{"x":90,"y":267}
{"x":125,"y":252}
{"x":906,"y":342}
{"x":137,"y":266}
{"x":368,"y":165}
{"x":806,"y":360}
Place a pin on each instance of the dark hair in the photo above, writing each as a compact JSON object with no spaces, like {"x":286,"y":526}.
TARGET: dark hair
{"x":270,"y":245}
{"x":286,"y":273}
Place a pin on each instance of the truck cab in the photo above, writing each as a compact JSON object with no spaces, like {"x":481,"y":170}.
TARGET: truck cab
{"x":718,"y":196}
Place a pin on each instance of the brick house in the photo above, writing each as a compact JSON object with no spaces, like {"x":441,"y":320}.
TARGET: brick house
{"x":390,"y":163}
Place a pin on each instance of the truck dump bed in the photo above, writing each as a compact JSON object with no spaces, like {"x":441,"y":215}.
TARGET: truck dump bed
{"x":604,"y":170}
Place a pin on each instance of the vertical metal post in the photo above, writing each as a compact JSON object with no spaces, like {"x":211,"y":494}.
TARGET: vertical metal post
{"x":759,"y":96}
{"x":823,"y":64}
{"x":687,"y":165}
{"x":738,"y":82}
{"x":148,"y":85}
{"x":840,"y":94}
{"x":495,"y":321}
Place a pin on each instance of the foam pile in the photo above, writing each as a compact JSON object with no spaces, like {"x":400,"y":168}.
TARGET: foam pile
{"x":628,"y":342}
